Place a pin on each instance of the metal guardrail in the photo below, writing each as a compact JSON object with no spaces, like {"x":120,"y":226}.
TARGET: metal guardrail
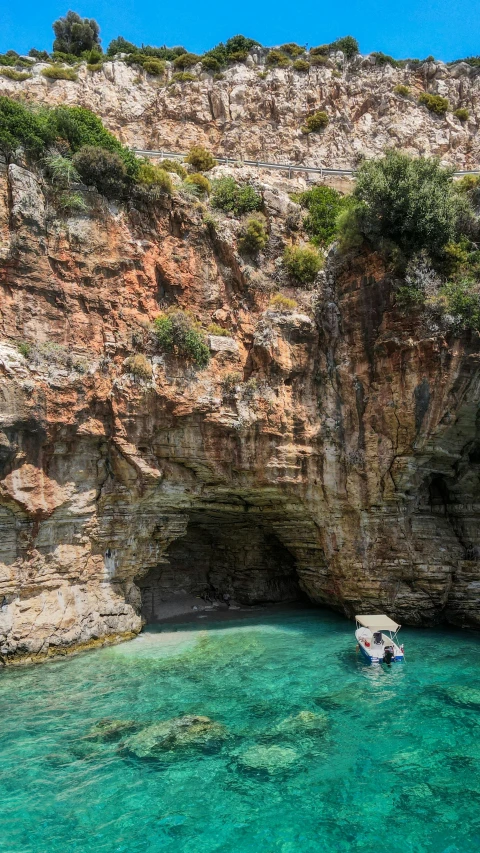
{"x":282,"y":167}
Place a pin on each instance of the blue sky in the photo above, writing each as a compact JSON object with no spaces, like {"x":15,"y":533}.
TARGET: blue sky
{"x":448,"y":29}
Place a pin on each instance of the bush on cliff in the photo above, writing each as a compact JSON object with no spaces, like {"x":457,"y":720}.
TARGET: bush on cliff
{"x":103,"y":169}
{"x":434,"y":103}
{"x":178,"y":333}
{"x":34,"y":130}
{"x":324,"y":204}
{"x":235,"y":198}
{"x":201,"y":159}
{"x":315,"y":122}
{"x":155,"y":177}
{"x":410,"y":201}
{"x":254,"y":236}
{"x":302,"y":263}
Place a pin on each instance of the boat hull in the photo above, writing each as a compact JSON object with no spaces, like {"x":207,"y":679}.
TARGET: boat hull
{"x":370,"y":658}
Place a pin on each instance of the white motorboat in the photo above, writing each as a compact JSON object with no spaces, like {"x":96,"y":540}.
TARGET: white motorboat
{"x":376,"y":636}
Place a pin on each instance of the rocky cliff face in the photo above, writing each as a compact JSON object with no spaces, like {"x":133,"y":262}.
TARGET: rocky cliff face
{"x":256,"y":112}
{"x":332,"y":449}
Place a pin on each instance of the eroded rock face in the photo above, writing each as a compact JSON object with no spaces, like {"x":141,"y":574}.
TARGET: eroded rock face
{"x":257,"y":113}
{"x":342,"y":460}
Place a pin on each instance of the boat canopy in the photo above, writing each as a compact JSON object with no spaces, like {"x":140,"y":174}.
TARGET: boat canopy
{"x":378,"y":622}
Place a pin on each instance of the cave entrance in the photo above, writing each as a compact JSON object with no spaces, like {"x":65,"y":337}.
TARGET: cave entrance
{"x":224,"y":554}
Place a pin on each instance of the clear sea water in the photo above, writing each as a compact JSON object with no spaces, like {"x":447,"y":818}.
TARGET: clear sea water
{"x":395,"y":769}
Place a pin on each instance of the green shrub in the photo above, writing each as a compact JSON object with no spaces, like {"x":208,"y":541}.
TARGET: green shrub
{"x":200,"y":182}
{"x":215,"y":329}
{"x":302,"y":263}
{"x":324,"y":204}
{"x":71,"y":202}
{"x":301,"y":65}
{"x":186,"y":60}
{"x":182,"y":77}
{"x":75,"y":35}
{"x":435,"y":103}
{"x":235,"y":198}
{"x":211,"y":63}
{"x":39,"y":55}
{"x":94,"y":66}
{"x":315,"y":122}
{"x":347,"y":44}
{"x":65,"y":58}
{"x":254,"y":236}
{"x":60,"y":170}
{"x":292,"y":49}
{"x":402,"y":90}
{"x":461,"y":300}
{"x":384,"y":59}
{"x":277,"y":59}
{"x":410,"y":201}
{"x":321,"y":50}
{"x":319,"y":59}
{"x":79,"y":126}
{"x":120,"y":45}
{"x":173,"y":166}
{"x":12,"y":74}
{"x":282,"y":303}
{"x":409,"y":296}
{"x":230,"y":381}
{"x":156,"y":67}
{"x":103,"y":169}
{"x":176,"y":332}
{"x":139,"y":365}
{"x":154,"y":176}
{"x":35,"y":130}
{"x":56,"y":72}
{"x":462,"y":114}
{"x":11,"y":58}
{"x":201,"y":159}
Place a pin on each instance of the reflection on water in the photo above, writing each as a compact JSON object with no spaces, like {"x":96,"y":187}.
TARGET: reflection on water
{"x":248,"y":736}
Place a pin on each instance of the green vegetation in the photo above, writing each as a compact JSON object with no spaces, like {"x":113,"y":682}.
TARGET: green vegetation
{"x":154,"y":176}
{"x":57,"y":72}
{"x":462,"y":114}
{"x":39,"y":55}
{"x":60,"y":170}
{"x":384,"y":59}
{"x":155,"y":67}
{"x":103,"y":169}
{"x":178,"y":333}
{"x":411,"y":202}
{"x":182,"y":77}
{"x":348,"y":45}
{"x":277,"y":59}
{"x":199,"y":181}
{"x":402,"y":90}
{"x":302,"y":263}
{"x":75,"y":35}
{"x":282,"y":303}
{"x":235,"y":198}
{"x":201,"y":159}
{"x":301,"y":65}
{"x":460,"y":299}
{"x":319,"y":59}
{"x":435,"y":103}
{"x":11,"y":58}
{"x":315,"y":122}
{"x":138,"y":365}
{"x":292,"y":49}
{"x":254,"y":236}
{"x":324,"y":205}
{"x":186,"y":60}
{"x":13,"y":74}
{"x":173,"y":166}
{"x":215,"y":329}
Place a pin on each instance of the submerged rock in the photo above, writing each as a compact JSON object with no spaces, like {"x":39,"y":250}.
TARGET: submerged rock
{"x":108,"y":729}
{"x":304,"y":721}
{"x":468,"y":697}
{"x":180,"y":733}
{"x":272,"y":759}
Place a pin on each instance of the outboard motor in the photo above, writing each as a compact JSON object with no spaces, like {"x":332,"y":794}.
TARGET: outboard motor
{"x":388,"y":656}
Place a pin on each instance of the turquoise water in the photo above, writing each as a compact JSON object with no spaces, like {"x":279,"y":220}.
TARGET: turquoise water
{"x":384,"y":760}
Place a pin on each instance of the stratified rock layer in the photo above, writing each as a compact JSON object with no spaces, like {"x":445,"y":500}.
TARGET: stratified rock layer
{"x":332,"y":450}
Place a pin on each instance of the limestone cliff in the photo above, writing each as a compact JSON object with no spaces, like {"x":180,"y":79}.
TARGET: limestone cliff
{"x":257,"y":112}
{"x":332,"y":448}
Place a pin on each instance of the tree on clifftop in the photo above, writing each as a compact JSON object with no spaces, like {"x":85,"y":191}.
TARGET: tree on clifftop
{"x":74,"y":34}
